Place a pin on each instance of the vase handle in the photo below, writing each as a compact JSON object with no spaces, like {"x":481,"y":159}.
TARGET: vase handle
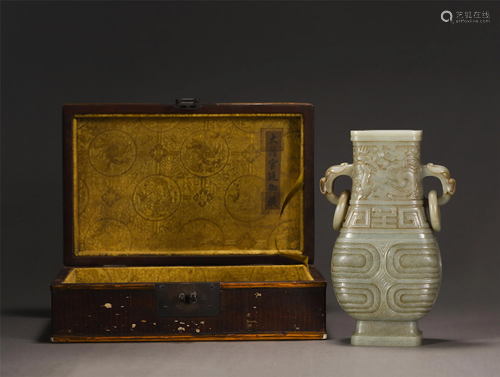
{"x":326,"y":183}
{"x":449,"y":187}
{"x":326,"y":188}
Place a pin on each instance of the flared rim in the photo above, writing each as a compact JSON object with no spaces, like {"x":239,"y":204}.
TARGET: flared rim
{"x":386,"y":135}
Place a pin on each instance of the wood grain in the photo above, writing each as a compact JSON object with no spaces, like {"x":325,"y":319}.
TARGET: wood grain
{"x":245,"y":309}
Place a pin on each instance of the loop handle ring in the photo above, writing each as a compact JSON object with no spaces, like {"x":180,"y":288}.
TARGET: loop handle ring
{"x":449,"y":188}
{"x":434,"y":213}
{"x":341,"y":210}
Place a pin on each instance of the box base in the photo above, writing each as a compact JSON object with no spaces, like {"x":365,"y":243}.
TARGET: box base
{"x":189,"y":338}
{"x":386,"y":333}
{"x":246,"y":310}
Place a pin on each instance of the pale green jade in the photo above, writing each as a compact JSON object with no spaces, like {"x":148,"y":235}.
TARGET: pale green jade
{"x":386,"y":265}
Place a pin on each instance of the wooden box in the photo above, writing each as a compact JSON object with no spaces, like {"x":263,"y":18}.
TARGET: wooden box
{"x":188,"y":222}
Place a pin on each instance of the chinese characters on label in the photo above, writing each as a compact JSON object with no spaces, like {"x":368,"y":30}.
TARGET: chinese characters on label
{"x":273,"y":148}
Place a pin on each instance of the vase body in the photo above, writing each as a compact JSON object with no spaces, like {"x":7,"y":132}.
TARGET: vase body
{"x":386,"y":264}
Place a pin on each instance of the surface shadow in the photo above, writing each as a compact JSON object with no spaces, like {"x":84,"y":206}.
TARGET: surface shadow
{"x":449,"y":343}
{"x":46,"y":335}
{"x":345,"y":341}
{"x":438,"y":343}
{"x":31,"y":313}
{"x":428,"y":342}
{"x":32,"y":324}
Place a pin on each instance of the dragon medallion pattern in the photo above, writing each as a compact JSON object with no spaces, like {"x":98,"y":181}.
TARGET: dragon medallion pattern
{"x":386,"y":172}
{"x":175,"y":184}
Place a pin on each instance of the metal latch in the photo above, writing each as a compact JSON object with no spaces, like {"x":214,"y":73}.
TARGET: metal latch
{"x":187,"y":103}
{"x":187,"y":299}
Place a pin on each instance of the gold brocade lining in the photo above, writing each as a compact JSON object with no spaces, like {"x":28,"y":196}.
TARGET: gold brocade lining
{"x":120,"y":159}
{"x":87,"y":275}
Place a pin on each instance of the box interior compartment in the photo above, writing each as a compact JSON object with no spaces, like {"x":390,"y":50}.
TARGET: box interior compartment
{"x":188,"y":274}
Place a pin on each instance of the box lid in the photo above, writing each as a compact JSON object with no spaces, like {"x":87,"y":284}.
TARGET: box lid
{"x":150,"y":184}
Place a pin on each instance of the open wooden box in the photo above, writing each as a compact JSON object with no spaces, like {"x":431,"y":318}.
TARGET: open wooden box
{"x":188,"y":222}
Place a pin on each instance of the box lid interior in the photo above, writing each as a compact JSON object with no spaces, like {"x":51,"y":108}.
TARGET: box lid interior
{"x":150,"y":184}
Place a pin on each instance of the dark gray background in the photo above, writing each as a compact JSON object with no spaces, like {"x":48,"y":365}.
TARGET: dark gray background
{"x":366,"y":65}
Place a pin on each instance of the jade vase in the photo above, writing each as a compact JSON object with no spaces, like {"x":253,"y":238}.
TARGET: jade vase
{"x":386,"y":264}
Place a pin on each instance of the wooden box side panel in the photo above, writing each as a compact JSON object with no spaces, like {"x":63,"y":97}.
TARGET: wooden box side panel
{"x":129,"y":314}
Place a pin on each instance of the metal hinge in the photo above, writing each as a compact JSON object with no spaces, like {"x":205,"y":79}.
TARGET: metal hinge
{"x":187,"y":299}
{"x":187,"y":103}
{"x":114,"y":265}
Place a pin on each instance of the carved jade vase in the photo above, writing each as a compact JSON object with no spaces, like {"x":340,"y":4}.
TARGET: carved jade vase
{"x":386,"y":265}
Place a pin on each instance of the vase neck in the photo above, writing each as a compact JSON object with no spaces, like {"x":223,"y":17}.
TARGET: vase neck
{"x":386,"y":171}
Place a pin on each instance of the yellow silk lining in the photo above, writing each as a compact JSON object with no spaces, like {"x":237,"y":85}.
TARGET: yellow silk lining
{"x":128,"y":167}
{"x":103,"y":275}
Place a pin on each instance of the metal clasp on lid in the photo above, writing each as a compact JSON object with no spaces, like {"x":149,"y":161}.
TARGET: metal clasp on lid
{"x":187,"y":103}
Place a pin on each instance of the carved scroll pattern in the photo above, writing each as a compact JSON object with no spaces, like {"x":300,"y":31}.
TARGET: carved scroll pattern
{"x":386,"y":217}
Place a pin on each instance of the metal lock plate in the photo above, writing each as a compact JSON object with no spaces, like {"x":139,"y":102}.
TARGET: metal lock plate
{"x":187,"y":299}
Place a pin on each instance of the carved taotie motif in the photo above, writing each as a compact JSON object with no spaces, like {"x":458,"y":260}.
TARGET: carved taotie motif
{"x":112,"y":153}
{"x":406,"y":275}
{"x":244,"y":198}
{"x":204,"y":153}
{"x":200,"y":234}
{"x":108,"y":235}
{"x":156,"y":197}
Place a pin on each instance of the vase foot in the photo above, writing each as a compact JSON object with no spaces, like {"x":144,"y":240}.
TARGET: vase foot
{"x":386,"y":333}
